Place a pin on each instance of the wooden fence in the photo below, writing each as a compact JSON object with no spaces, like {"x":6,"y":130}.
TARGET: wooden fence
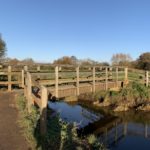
{"x":56,"y":76}
{"x":39,"y":99}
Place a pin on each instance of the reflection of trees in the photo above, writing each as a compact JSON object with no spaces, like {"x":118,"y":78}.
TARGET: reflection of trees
{"x":134,"y":116}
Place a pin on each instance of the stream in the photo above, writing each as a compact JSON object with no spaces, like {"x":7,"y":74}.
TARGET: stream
{"x":118,"y":131}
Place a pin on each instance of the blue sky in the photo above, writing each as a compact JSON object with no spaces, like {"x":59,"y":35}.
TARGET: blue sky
{"x":48,"y":29}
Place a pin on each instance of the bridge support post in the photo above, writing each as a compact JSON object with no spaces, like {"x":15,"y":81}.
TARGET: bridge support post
{"x":56,"y":81}
{"x":38,"y":68}
{"x":106,"y":78}
{"x":116,"y":76}
{"x":26,"y":68}
{"x":9,"y":78}
{"x":147,"y":78}
{"x":126,"y":75}
{"x":22,"y":78}
{"x":43,"y":111}
{"x":93,"y":79}
{"x":29,"y":91}
{"x":77,"y":80}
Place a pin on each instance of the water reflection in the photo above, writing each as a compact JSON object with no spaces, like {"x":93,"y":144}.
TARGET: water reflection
{"x":118,"y":131}
{"x":75,"y":113}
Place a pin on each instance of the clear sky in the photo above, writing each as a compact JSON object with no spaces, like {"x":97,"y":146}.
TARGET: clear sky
{"x":48,"y":29}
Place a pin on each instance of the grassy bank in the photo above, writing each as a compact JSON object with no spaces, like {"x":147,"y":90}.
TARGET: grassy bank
{"x":60,"y":135}
{"x":133,"y":96}
{"x":29,"y":123}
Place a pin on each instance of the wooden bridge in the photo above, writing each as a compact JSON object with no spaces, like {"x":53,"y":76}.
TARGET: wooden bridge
{"x":62,"y":81}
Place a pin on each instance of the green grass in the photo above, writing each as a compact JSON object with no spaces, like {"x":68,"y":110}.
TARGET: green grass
{"x":29,"y":123}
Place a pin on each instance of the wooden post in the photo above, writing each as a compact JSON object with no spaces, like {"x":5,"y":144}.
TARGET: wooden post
{"x":77,"y":80}
{"x":126,"y":75}
{"x":117,"y":76}
{"x":25,"y":87}
{"x":22,"y":78}
{"x":38,"y":68}
{"x":106,"y":78}
{"x":43,"y":111}
{"x":56,"y":81}
{"x":29,"y":91}
{"x":93,"y":79}
{"x":26,"y":68}
{"x":147,"y":78}
{"x":9,"y":78}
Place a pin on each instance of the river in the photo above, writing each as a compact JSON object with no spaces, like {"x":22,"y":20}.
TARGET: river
{"x":118,"y":131}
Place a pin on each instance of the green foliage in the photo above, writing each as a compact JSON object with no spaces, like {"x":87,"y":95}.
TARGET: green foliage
{"x":60,"y":135}
{"x":133,"y":95}
{"x":143,"y":62}
{"x":2,"y":48}
{"x":94,"y":96}
{"x":135,"y":91}
{"x":94,"y":142}
{"x":91,"y":139}
{"x":100,"y":94}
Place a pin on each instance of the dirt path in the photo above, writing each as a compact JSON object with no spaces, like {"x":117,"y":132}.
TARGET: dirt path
{"x":10,"y":135}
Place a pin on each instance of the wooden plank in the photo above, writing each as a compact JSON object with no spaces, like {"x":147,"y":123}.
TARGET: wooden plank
{"x":106,"y":78}
{"x":43,"y":112}
{"x":36,"y":100}
{"x":77,"y":80}
{"x":56,"y":80}
{"x":11,"y":82}
{"x":93,"y":79}
{"x":29,"y":91}
{"x":9,"y":78}
{"x":147,"y":78}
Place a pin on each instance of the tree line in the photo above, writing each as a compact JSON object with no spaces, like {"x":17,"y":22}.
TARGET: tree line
{"x":119,"y":59}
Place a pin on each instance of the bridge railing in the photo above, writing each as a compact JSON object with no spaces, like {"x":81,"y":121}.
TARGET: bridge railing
{"x":55,"y":76}
{"x":11,"y":78}
{"x":38,"y":98}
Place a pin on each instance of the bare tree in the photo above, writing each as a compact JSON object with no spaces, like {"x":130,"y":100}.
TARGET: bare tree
{"x":121,"y":59}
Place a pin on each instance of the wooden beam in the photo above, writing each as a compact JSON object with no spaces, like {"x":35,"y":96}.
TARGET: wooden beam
{"x":117,"y":76}
{"x":43,"y":111}
{"x":126,"y":75}
{"x":77,"y":80}
{"x":22,"y":78}
{"x":9,"y":78}
{"x":106,"y":78}
{"x":56,"y":80}
{"x":38,"y":68}
{"x":147,"y":78}
{"x":26,"y":68}
{"x":93,"y":79}
{"x":29,"y":91}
